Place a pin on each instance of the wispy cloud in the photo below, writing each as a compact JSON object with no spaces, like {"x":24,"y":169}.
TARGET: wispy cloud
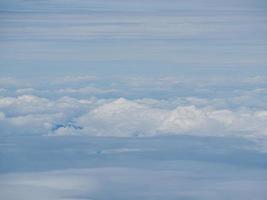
{"x":193,"y":33}
{"x":122,"y":183}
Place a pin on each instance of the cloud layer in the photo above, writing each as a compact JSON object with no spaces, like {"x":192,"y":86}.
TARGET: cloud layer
{"x":134,"y":106}
{"x":123,"y":118}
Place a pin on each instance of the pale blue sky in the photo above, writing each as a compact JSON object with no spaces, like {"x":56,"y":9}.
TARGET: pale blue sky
{"x":132,"y":37}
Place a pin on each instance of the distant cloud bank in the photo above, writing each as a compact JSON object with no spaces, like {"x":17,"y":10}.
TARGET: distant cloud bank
{"x":194,"y":107}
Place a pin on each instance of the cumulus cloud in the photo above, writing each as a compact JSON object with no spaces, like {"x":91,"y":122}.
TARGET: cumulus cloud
{"x":122,"y":117}
{"x":149,"y":107}
{"x":125,"y":118}
{"x":31,"y":114}
{"x":129,"y":118}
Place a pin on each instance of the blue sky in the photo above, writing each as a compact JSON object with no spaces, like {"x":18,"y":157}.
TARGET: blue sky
{"x":120,"y":99}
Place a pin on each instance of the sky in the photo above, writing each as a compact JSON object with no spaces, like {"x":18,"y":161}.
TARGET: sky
{"x":126,"y":100}
{"x":132,"y":37}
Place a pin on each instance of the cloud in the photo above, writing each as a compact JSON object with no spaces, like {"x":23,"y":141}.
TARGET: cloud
{"x":24,"y":91}
{"x":86,"y":90}
{"x":7,"y":82}
{"x":182,"y":182}
{"x":125,"y":118}
{"x":130,"y":118}
{"x":147,"y":107}
{"x":75,"y":79}
{"x":29,"y":114}
{"x":46,"y":185}
{"x":2,"y":116}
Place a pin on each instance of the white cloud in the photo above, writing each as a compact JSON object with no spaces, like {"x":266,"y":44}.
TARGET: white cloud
{"x":121,"y":118}
{"x":125,"y":118}
{"x":24,"y":104}
{"x":221,"y":106}
{"x":31,"y":114}
{"x":24,"y":91}
{"x":29,"y":104}
{"x":128,"y":118}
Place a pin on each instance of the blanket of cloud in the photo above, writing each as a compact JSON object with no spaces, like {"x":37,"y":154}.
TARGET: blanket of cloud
{"x":87,"y":105}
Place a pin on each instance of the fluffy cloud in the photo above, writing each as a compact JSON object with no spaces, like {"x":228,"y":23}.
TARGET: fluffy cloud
{"x":31,"y":114}
{"x":125,"y":118}
{"x":153,"y":106}
{"x":130,"y":118}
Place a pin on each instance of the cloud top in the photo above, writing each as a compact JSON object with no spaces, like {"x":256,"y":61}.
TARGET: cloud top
{"x":124,"y":118}
{"x":135,"y":106}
